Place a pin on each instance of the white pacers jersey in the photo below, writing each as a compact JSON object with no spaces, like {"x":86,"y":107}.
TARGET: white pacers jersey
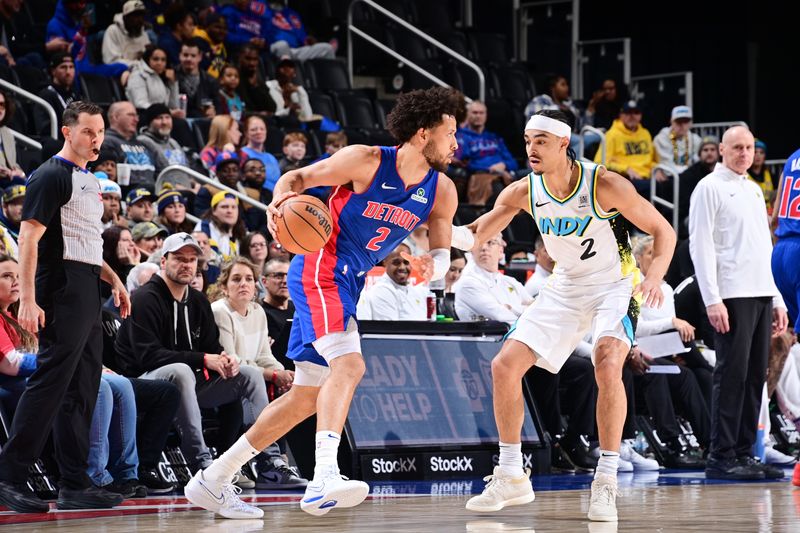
{"x":589,"y":246}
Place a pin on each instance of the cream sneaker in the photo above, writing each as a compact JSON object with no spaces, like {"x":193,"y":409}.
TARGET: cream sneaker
{"x":219,"y":497}
{"x":502,"y":491}
{"x":603,"y":502}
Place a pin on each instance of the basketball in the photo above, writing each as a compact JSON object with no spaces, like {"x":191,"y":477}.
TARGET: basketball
{"x":305,"y":224}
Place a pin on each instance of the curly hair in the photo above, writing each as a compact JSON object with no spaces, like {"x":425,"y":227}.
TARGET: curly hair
{"x":424,"y":109}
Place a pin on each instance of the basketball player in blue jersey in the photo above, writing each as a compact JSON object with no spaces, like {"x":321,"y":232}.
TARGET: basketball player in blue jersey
{"x":583,"y":213}
{"x":786,"y":254}
{"x":379,"y":195}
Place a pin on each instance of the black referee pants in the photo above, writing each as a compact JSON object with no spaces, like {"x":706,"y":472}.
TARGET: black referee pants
{"x":61,"y":394}
{"x":739,"y":376}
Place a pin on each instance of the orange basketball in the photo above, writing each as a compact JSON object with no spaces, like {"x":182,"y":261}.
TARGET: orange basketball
{"x":305,"y":226}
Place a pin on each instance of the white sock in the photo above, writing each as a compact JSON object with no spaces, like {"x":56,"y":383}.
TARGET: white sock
{"x":229,"y":463}
{"x":607,"y":464}
{"x":511,"y":459}
{"x":327,"y":450}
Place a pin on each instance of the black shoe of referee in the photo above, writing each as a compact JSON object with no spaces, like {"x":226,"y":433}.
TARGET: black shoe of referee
{"x":88,"y":498}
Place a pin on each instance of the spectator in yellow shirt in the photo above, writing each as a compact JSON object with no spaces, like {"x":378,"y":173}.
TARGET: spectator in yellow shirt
{"x":629,"y":148}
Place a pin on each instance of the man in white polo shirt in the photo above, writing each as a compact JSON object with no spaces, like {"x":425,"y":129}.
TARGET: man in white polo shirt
{"x":484,"y":291}
{"x":731,"y":247}
{"x":393,"y":297}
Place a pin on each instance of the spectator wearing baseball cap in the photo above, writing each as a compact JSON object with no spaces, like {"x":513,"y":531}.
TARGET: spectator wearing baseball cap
{"x":223,"y":224}
{"x":760,"y":174}
{"x":172,"y":212}
{"x":139,"y":206}
{"x":125,"y":39}
{"x":148,"y":237}
{"x":228,"y":173}
{"x":59,"y":94}
{"x":678,"y":147}
{"x":112,"y":203}
{"x":634,"y":163}
{"x":11,"y":215}
{"x":163,"y":148}
{"x":708,"y":156}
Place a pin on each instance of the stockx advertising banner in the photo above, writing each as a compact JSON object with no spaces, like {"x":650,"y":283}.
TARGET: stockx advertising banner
{"x":424,"y":407}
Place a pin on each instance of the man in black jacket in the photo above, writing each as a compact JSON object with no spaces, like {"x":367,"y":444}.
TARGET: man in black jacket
{"x":172,"y":335}
{"x":59,"y":94}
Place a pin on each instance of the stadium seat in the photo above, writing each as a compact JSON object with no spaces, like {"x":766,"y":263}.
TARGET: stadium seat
{"x":327,"y":74}
{"x":507,"y":121}
{"x":322,"y":104}
{"x":200,"y":127}
{"x":488,"y":47}
{"x":274,"y":142}
{"x":32,"y":79}
{"x":522,"y":230}
{"x":101,"y":90}
{"x":182,"y":132}
{"x":356,"y":111}
{"x":511,"y":82}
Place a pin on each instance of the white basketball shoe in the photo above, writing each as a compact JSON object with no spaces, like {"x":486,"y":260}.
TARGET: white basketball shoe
{"x":219,"y":497}
{"x":502,"y":491}
{"x":603,"y":502}
{"x":329,"y":489}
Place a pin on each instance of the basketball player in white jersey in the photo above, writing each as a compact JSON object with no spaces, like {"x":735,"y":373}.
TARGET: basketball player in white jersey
{"x":583,"y":212}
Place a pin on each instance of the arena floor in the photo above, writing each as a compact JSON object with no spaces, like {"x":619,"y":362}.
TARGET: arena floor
{"x":665,"y":501}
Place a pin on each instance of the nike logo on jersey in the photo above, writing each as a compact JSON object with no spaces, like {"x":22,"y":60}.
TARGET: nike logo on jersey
{"x":387,"y":187}
{"x":563,"y":226}
{"x":541,"y":204}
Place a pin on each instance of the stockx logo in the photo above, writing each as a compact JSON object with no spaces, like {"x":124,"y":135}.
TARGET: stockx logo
{"x":401,"y":464}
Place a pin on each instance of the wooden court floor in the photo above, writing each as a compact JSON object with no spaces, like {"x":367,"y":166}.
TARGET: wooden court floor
{"x":688,"y":504}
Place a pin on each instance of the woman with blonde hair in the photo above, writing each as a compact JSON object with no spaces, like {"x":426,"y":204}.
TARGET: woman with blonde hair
{"x":223,"y":136}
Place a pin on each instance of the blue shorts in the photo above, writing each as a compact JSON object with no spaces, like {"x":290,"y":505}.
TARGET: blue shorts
{"x":785,"y":271}
{"x":325,"y":293}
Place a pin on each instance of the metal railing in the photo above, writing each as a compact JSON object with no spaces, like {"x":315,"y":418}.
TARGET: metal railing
{"x":214,"y":183}
{"x":25,"y":139}
{"x":657,"y":200}
{"x":580,"y":58}
{"x":356,"y":31}
{"x":688,"y":86}
{"x":582,"y":143}
{"x":36,"y":100}
{"x":775,"y":166}
{"x":715,"y":129}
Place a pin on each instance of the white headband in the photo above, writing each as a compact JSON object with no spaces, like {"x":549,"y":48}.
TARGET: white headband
{"x":550,"y":125}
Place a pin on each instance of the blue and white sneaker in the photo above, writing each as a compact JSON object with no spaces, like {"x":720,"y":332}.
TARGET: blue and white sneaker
{"x":330,"y":489}
{"x":219,"y":497}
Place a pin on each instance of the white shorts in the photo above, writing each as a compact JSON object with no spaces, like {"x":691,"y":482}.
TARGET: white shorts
{"x":561,"y":316}
{"x":329,"y":347}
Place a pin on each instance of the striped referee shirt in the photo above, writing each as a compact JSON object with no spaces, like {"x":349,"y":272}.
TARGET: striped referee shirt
{"x":66,"y":199}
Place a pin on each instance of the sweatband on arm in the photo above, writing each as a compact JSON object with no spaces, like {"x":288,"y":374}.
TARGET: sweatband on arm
{"x":441,"y":263}
{"x":462,"y":238}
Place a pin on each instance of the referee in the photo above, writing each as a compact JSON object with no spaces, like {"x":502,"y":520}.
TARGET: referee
{"x":731,"y":246}
{"x":61,"y":248}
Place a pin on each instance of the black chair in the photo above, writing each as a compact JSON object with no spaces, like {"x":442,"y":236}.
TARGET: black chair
{"x":327,"y":74}
{"x":414,"y":80}
{"x":507,"y":121}
{"x":32,"y":79}
{"x":200,"y":127}
{"x":522,"y":230}
{"x":434,"y":16}
{"x":512,"y":82}
{"x":322,"y":104}
{"x":357,"y":111}
{"x":488,"y":47}
{"x":182,"y":132}
{"x":456,"y":41}
{"x":466,"y":214}
{"x":99,"y":89}
{"x":274,"y":142}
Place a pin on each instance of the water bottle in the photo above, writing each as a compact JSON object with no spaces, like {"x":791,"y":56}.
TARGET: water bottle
{"x":431,"y":300}
{"x":183,"y":102}
{"x":640,"y":443}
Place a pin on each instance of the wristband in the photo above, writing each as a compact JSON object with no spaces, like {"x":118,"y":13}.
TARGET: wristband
{"x":462,"y":238}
